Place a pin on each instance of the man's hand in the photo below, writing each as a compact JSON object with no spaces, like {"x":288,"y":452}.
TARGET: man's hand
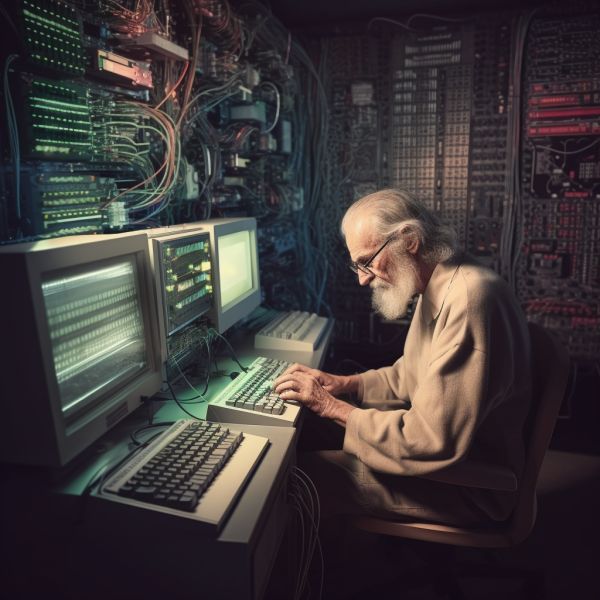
{"x":303,"y":386}
{"x":334,"y":384}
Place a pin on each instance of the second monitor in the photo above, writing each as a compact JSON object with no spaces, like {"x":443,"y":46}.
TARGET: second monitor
{"x":236,"y":281}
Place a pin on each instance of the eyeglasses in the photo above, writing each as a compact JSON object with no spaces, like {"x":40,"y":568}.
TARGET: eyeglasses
{"x":364,"y":267}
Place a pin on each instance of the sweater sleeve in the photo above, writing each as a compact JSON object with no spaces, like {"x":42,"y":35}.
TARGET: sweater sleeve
{"x":384,"y":388}
{"x":436,"y":431}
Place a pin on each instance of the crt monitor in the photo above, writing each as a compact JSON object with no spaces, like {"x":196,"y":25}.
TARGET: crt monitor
{"x":80,"y":345}
{"x":236,"y":283}
{"x":181,"y":263}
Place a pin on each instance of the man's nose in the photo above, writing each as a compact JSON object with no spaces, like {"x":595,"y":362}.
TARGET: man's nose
{"x":365,"y":278}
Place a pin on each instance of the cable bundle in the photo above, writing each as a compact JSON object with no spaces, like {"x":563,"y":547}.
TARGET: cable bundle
{"x":309,"y":159}
{"x":512,"y":231}
{"x":131,"y":133}
{"x":222,"y":26}
{"x":305,"y":502}
{"x":195,"y":339}
{"x":13,"y":134}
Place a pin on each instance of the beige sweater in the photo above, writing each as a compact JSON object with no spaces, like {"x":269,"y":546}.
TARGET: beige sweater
{"x":462,"y":388}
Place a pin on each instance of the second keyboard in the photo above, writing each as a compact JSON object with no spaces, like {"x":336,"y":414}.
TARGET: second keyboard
{"x":294,"y":330}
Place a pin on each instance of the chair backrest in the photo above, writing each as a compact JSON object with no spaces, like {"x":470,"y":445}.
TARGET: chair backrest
{"x":550,"y":371}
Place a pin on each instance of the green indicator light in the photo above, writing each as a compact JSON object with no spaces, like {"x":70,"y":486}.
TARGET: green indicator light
{"x":50,"y":149}
{"x":68,"y":142}
{"x":67,"y":179}
{"x":47,"y":22}
{"x":79,"y":108}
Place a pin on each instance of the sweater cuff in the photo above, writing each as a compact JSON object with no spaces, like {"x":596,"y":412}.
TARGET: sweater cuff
{"x":360,"y":390}
{"x":351,"y":441}
{"x":368,"y":379}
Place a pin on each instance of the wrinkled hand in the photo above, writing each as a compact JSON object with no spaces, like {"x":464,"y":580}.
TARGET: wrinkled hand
{"x":306,"y":388}
{"x":303,"y":386}
{"x":334,"y":384}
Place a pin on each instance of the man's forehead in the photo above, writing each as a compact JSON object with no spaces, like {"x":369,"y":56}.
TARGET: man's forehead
{"x":359,"y":238}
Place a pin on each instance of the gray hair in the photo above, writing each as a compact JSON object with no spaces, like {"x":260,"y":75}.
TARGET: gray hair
{"x":391,"y":211}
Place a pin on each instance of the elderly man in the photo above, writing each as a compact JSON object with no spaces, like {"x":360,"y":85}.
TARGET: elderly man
{"x":461,"y":391}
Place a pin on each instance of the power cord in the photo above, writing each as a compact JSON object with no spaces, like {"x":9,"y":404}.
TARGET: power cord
{"x":231,"y":350}
{"x":199,"y":395}
{"x":305,"y":501}
{"x":178,"y":402}
{"x":133,"y":435}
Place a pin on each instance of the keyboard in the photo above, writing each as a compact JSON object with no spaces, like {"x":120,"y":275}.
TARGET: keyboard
{"x":194,"y":468}
{"x":250,"y":398}
{"x":295,"y":330}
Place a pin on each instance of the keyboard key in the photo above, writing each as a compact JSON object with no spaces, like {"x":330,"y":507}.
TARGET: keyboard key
{"x":145,"y":491}
{"x":187,"y":501}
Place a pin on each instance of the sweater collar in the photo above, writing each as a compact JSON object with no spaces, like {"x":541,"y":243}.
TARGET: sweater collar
{"x":438,"y":287}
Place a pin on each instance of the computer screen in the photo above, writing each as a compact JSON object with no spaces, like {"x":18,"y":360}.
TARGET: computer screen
{"x":81,"y":350}
{"x":235,"y":266}
{"x":182,"y":272}
{"x":236,"y":282}
{"x":96,"y":329}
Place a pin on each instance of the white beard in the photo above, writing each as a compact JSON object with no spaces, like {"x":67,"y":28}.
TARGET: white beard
{"x":391,"y":300}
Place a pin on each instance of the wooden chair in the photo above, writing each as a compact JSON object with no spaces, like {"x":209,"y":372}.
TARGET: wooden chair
{"x":550,"y":366}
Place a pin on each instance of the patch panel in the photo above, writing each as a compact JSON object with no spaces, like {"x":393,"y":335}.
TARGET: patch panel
{"x":56,"y":202}
{"x":52,"y":35}
{"x":55,"y":119}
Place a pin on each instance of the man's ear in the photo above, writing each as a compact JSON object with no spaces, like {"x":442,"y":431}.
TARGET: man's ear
{"x":408,"y":234}
{"x":412,"y":244}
